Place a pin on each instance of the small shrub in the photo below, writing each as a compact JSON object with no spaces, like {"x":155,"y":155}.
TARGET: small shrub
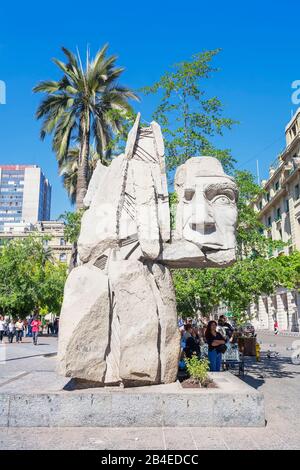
{"x":197,"y":369}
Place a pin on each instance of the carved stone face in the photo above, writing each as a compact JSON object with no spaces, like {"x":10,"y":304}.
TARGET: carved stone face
{"x":207,"y":212}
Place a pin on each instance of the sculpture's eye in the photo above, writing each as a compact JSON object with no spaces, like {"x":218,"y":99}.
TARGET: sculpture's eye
{"x":222,"y":199}
{"x":189,"y":194}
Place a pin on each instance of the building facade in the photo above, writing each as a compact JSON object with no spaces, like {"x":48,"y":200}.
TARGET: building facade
{"x":279,"y":211}
{"x":53,"y":231}
{"x":25,"y":195}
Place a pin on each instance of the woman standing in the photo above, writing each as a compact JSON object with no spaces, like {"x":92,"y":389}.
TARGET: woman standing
{"x":216,"y":344}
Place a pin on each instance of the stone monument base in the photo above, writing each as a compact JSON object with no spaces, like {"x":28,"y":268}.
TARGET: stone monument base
{"x":233,"y":403}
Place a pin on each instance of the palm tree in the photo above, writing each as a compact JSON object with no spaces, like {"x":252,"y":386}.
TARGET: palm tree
{"x":69,"y":169}
{"x":84,"y":104}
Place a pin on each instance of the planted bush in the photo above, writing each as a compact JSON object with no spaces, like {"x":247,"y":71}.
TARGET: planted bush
{"x":197,"y":369}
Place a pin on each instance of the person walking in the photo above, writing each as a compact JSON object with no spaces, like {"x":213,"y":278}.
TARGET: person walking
{"x":35,"y":327}
{"x":276,"y":327}
{"x":11,"y":331}
{"x":2,"y":328}
{"x":19,"y":330}
{"x":25,"y":327}
{"x":29,"y":329}
{"x":216,"y":346}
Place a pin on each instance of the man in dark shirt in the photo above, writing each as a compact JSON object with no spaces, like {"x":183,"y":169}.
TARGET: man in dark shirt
{"x":228,"y":328}
{"x":191,"y":344}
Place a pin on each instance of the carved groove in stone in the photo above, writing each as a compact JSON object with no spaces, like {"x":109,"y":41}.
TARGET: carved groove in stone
{"x":101,"y":262}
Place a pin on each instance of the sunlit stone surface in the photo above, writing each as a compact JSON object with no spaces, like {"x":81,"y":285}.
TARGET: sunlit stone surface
{"x":118,"y":320}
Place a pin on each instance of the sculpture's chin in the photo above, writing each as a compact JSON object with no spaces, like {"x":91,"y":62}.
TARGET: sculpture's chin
{"x":220,"y":258}
{"x":185,"y":254}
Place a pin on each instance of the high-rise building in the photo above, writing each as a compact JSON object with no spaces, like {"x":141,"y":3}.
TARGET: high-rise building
{"x":25,"y":195}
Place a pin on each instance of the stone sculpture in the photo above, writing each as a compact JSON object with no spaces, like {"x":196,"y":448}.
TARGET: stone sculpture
{"x":118,"y":322}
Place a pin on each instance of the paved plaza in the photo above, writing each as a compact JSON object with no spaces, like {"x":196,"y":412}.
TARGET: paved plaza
{"x":29,"y":367}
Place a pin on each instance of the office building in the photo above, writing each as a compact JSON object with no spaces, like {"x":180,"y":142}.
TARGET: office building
{"x":25,"y":195}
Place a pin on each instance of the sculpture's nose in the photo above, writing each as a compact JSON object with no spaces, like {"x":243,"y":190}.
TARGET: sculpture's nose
{"x":202,"y":214}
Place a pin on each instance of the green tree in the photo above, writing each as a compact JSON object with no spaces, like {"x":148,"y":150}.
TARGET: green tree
{"x":52,"y":287}
{"x":80,"y":107}
{"x":72,"y":225}
{"x":237,"y":286}
{"x":188,"y":118}
{"x":196,"y":289}
{"x":28,"y":279}
{"x":251,"y":240}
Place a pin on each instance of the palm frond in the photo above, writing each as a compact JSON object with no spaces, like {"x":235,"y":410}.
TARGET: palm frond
{"x":93,"y":92}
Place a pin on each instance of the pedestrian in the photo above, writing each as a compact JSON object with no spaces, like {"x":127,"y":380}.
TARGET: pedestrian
{"x":29,"y":330}
{"x":35,"y":327}
{"x":11,"y":330}
{"x":2,"y":327}
{"x":216,"y":346}
{"x":191,"y":342}
{"x":50,"y":328}
{"x":276,"y":327}
{"x":19,"y":330}
{"x":55,"y":326}
{"x":223,"y":324}
{"x":25,"y":327}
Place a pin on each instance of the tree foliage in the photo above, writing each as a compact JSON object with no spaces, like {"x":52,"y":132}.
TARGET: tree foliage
{"x":28,"y":279}
{"x":237,"y":286}
{"x":189,"y":118}
{"x":72,"y":225}
{"x":251,"y":240}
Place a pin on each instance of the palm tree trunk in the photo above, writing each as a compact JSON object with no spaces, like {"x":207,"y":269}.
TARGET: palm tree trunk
{"x":82,"y":182}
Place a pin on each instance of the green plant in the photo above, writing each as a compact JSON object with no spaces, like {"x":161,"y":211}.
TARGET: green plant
{"x":173,"y":201}
{"x":197,"y":369}
{"x":190,"y":119}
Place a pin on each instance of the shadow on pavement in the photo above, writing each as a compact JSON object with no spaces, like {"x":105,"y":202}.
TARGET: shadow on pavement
{"x":274,"y":367}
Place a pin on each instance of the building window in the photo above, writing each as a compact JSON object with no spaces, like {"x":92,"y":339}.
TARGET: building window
{"x":62,"y":242}
{"x":260,"y":205}
{"x":297,"y":192}
{"x":276,"y":185}
{"x":278,"y":213}
{"x":268,"y":197}
{"x":269,"y":221}
{"x":63,"y":257}
{"x":287,"y":205}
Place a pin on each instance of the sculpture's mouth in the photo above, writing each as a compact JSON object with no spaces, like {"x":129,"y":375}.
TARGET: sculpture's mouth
{"x":203,"y":229}
{"x":212,"y":249}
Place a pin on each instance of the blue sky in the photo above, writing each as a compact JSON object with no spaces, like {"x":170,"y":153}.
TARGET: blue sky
{"x":259,"y":61}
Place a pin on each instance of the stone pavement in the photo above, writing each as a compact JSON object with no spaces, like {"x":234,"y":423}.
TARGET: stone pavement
{"x":278,"y":378}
